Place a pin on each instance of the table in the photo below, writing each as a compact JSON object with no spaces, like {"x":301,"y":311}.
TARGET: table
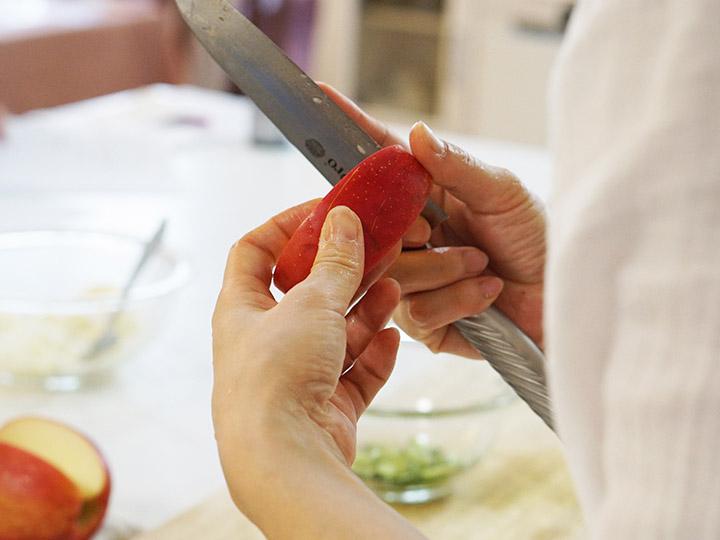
{"x":120,"y":163}
{"x":520,"y":490}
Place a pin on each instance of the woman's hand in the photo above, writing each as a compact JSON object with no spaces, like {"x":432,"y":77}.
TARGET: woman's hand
{"x":284,"y":412}
{"x":490,"y":250}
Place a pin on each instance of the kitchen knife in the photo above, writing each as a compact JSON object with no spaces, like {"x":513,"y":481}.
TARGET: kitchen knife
{"x":334,"y":144}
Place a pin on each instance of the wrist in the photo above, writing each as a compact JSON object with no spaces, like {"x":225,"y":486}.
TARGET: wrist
{"x":271,"y":461}
{"x":286,"y":473}
{"x":292,"y":485}
{"x":256,"y":437}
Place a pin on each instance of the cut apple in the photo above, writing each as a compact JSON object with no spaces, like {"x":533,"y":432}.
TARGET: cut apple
{"x":37,"y":502}
{"x":70,"y":455}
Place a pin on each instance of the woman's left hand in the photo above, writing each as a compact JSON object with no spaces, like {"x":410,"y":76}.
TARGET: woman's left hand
{"x":284,"y":412}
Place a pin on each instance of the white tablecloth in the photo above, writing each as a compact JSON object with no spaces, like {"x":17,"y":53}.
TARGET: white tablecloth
{"x":120,"y":163}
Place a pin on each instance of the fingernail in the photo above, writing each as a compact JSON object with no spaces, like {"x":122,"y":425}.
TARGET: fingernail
{"x":491,"y":287}
{"x":474,"y":261}
{"x":436,"y":144}
{"x":341,"y":225}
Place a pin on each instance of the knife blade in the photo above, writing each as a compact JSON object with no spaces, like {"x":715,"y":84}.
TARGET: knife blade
{"x":282,"y":91}
{"x":334,"y":144}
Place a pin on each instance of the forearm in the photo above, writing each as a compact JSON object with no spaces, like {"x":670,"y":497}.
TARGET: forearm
{"x":292,"y":487}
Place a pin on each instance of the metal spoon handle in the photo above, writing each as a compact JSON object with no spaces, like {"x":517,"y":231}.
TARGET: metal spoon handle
{"x":106,"y":338}
{"x":513,"y":355}
{"x":148,"y":251}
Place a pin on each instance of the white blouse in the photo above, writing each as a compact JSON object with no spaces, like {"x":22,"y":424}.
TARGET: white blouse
{"x":633,"y":299}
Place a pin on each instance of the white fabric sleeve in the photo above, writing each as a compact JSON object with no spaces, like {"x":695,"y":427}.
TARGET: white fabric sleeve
{"x":633,"y":293}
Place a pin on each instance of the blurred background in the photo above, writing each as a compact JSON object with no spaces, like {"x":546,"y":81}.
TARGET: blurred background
{"x":474,"y":66}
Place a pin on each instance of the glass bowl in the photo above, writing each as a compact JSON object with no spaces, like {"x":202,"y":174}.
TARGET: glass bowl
{"x":435,"y":418}
{"x":57,"y":290}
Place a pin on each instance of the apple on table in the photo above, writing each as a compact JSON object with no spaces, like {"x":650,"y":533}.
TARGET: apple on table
{"x":54,"y":482}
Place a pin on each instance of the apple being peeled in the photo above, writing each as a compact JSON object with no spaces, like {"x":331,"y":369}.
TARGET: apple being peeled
{"x":387,"y":191}
{"x":54,"y":483}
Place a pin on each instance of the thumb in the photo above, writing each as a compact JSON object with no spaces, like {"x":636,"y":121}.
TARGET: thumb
{"x":484,"y":188}
{"x":338,"y":268}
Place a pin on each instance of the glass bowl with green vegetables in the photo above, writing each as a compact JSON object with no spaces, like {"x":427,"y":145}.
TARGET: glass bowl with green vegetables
{"x":434,"y":419}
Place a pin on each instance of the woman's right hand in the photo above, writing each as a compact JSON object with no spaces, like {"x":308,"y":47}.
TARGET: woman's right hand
{"x":491,"y":250}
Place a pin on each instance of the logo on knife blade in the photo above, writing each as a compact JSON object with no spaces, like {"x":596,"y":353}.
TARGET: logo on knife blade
{"x":318,"y":151}
{"x":335,"y":166}
{"x":315,"y":148}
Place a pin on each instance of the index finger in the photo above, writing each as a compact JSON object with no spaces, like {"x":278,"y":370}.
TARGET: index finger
{"x":248,"y":272}
{"x":485,"y":189}
{"x":373,"y":127}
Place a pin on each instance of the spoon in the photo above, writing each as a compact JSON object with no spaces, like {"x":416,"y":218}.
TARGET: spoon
{"x":108,"y":337}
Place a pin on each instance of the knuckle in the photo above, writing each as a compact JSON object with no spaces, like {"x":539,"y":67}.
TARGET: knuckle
{"x":434,"y":345}
{"x":472,"y":299}
{"x":403,"y":320}
{"x":239,"y":245}
{"x":324,"y":297}
{"x":456,"y":267}
{"x":513,"y":184}
{"x":419,"y":314}
{"x":233,"y":247}
{"x":462,"y":157}
{"x":447,"y":264}
{"x":508,"y":175}
{"x":234,"y":251}
{"x":337,"y":267}
{"x":221,"y":313}
{"x":339,"y":256}
{"x":403,"y":269}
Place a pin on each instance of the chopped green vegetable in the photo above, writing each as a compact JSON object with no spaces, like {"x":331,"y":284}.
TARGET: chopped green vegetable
{"x":412,"y":464}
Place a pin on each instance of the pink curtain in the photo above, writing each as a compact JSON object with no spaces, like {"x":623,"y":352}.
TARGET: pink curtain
{"x":133,"y":44}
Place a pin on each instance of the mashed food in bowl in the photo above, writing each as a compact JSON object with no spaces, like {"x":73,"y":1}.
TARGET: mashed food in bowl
{"x":42,"y":344}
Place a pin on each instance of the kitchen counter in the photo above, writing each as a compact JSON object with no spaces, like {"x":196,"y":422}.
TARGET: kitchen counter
{"x":121,"y":163}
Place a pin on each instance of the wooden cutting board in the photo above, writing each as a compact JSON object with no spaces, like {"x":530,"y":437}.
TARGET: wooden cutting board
{"x":520,"y":491}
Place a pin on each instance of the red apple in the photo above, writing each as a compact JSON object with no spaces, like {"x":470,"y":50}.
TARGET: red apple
{"x":37,"y":502}
{"x":387,"y":191}
{"x":67,"y":454}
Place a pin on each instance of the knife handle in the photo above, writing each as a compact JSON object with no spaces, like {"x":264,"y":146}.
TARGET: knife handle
{"x":513,"y":355}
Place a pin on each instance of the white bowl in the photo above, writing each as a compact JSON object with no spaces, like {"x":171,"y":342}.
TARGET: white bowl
{"x":57,"y":290}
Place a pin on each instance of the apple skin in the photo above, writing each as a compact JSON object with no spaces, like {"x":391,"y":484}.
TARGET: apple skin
{"x":387,"y":191}
{"x":37,"y":502}
{"x":93,"y":511}
{"x":90,"y":512}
